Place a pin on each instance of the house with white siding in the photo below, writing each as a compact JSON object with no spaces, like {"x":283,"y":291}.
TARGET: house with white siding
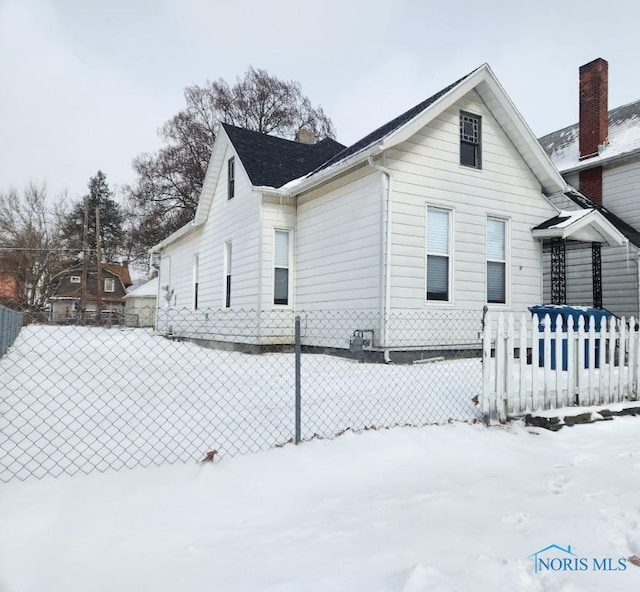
{"x":600,"y":157}
{"x":429,"y":216}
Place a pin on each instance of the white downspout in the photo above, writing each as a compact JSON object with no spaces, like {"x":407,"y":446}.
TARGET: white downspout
{"x":385,"y":288}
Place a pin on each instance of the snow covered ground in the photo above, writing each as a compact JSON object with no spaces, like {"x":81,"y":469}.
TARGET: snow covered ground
{"x":442,"y":508}
{"x":78,"y":399}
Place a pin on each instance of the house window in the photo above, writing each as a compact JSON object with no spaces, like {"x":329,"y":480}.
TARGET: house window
{"x":227,"y":274}
{"x":281,"y":267}
{"x":231,"y":177}
{"x":470,"y":128}
{"x":75,"y":279}
{"x":195,"y":282}
{"x":438,"y":254}
{"x":109,"y":285}
{"x":496,"y":261}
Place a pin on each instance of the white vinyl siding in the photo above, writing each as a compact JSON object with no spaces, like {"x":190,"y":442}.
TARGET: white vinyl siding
{"x":438,"y":254}
{"x":281,"y":261}
{"x":338,"y":244}
{"x":426,"y":169}
{"x":496,"y":261}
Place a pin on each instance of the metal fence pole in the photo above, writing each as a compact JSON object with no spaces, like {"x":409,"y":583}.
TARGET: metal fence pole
{"x":298,"y":377}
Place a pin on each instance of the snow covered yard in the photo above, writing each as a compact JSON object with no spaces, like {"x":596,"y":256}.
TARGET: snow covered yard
{"x":78,"y":399}
{"x":457,"y":507}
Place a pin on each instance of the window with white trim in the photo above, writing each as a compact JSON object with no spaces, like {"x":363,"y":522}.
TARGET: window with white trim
{"x":109,"y":285}
{"x":438,"y":254}
{"x":281,"y":267}
{"x":470,"y":148}
{"x":231,"y":177}
{"x":195,"y":281}
{"x":75,"y":279}
{"x":496,"y":261}
{"x":227,"y":274}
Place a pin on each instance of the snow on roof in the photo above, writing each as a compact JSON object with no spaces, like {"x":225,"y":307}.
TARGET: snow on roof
{"x":147,"y":289}
{"x":624,"y":138}
{"x":564,"y":218}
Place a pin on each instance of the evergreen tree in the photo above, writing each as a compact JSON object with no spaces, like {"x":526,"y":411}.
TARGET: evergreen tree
{"x":112,"y":235}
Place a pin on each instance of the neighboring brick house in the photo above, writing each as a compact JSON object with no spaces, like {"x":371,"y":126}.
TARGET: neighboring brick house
{"x":600,"y":157}
{"x":9,"y":281}
{"x":66,"y":304}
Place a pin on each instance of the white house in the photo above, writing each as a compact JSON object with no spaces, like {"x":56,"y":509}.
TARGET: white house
{"x":140,"y":305}
{"x":425,"y":218}
{"x":600,"y":156}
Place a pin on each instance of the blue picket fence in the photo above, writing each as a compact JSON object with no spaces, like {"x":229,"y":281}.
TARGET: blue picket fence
{"x":10,"y":325}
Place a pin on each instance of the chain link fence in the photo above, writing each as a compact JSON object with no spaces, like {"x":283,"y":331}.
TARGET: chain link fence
{"x":77,"y":399}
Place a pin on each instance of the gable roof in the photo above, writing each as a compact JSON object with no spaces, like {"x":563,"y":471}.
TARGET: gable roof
{"x":587,"y":225}
{"x":272,"y":162}
{"x":147,"y":290}
{"x":401,"y":128}
{"x":624,"y":140}
{"x":390,"y":126}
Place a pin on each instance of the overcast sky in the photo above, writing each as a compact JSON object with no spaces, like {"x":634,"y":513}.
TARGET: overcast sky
{"x":85,"y":84}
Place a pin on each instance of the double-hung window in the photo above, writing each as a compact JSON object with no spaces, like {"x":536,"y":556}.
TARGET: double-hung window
{"x":470,"y":135}
{"x":231,"y":177}
{"x":281,"y":267}
{"x":196,"y":272}
{"x":438,"y":254}
{"x":109,"y":285}
{"x":227,"y":274}
{"x":496,"y":261}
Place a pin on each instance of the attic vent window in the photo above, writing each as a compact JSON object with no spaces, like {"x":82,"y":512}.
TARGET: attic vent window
{"x":231,"y":177}
{"x":470,"y":127}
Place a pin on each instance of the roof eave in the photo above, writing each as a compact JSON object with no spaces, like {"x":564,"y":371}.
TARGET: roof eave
{"x":590,"y":163}
{"x":609,"y":232}
{"x":172,"y":238}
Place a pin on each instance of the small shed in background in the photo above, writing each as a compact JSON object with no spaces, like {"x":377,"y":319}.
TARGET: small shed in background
{"x":140,"y":305}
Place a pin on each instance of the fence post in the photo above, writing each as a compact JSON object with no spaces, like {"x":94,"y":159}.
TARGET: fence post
{"x":298,"y":348}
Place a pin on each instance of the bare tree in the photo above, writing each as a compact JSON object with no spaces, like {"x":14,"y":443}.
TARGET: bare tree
{"x":31,"y":241}
{"x":169,"y":181}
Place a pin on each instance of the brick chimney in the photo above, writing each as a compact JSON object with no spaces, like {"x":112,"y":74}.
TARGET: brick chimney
{"x":593,"y":125}
{"x":305,"y":136}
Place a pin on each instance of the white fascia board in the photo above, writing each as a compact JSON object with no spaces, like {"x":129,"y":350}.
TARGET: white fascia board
{"x":411,"y":127}
{"x":589,"y":163}
{"x":594,"y":219}
{"x":555,"y":183}
{"x":334,"y":170}
{"x":172,"y":238}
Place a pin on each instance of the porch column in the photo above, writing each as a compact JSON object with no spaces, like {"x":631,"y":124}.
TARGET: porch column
{"x":596,"y":274}
{"x":558,"y":271}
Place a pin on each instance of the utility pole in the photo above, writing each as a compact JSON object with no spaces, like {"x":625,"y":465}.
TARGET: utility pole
{"x":99,"y":257}
{"x":85,"y":258}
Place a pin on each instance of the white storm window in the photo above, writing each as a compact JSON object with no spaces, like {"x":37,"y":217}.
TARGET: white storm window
{"x":109,"y":285}
{"x":438,"y":254}
{"x":281,"y":267}
{"x":496,"y":261}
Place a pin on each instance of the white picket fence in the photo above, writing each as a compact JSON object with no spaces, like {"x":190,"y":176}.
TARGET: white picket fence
{"x":527,"y":369}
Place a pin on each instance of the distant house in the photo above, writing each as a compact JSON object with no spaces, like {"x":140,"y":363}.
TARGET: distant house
{"x":600,"y":157}
{"x":9,"y":281}
{"x":66,"y":303}
{"x":140,"y":305}
{"x":428,"y":216}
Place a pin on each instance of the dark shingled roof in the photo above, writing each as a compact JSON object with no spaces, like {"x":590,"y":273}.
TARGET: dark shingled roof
{"x":390,"y":126}
{"x":626,"y":229}
{"x":272,"y":162}
{"x":551,"y":222}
